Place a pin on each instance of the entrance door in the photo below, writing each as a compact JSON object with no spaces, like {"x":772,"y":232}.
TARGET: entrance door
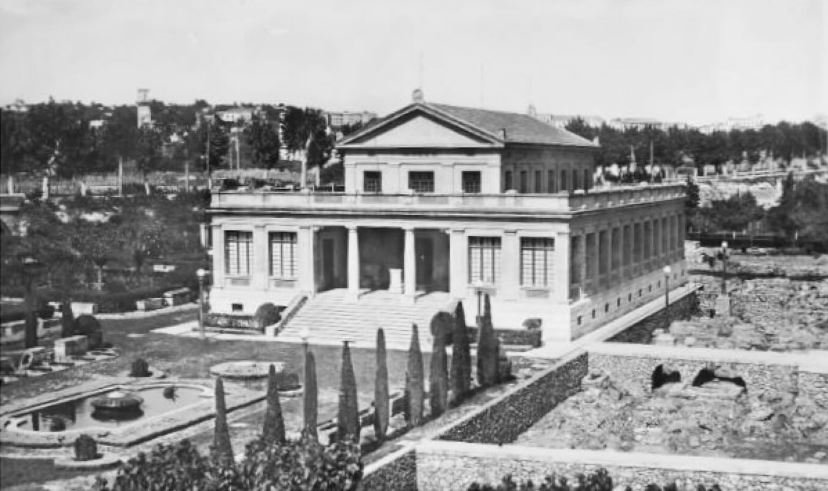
{"x":328,"y":272}
{"x":425,"y":262}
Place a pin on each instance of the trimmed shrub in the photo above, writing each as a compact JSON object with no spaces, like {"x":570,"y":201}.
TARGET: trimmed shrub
{"x":347,"y":421}
{"x":504,"y":364}
{"x":414,"y":381}
{"x":67,"y":320}
{"x":30,"y":332}
{"x":89,"y":326}
{"x":140,"y":368}
{"x":381,"y":415}
{"x":266,"y":315}
{"x":442,"y":325}
{"x":45,"y":311}
{"x":86,"y":448}
{"x":274,"y":426}
{"x":599,"y":480}
{"x":487,"y":348}
{"x":222,"y":449}
{"x":309,"y":397}
{"x":460,"y":358}
{"x":438,"y":377}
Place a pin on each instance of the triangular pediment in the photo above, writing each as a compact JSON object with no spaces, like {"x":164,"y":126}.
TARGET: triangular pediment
{"x":419,"y":128}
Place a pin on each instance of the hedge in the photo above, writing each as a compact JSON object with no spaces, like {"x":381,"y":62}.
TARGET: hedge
{"x":108,"y":302}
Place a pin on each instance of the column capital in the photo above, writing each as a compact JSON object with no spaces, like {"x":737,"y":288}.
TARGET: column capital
{"x":408,"y":228}
{"x":351,"y":228}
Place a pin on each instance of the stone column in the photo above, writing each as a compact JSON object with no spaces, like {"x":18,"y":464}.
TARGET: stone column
{"x":458,"y":256}
{"x":582,"y":263}
{"x":410,"y":265}
{"x":560,"y":271}
{"x":260,"y":264}
{"x":306,"y":245}
{"x":509,"y":287}
{"x":353,"y":262}
{"x":218,"y":256}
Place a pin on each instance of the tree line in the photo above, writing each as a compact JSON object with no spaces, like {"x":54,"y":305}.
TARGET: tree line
{"x":67,"y":139}
{"x":689,"y":146}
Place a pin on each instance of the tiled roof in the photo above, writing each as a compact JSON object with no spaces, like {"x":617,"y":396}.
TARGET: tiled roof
{"x":520,"y":128}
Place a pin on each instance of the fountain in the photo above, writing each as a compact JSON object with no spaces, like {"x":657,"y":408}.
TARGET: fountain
{"x":118,"y":405}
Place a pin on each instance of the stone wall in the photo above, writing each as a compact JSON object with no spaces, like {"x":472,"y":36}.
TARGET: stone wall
{"x":634,"y":364}
{"x":642,"y":332}
{"x":396,"y":471}
{"x":814,"y":385}
{"x":503,"y":419}
{"x":455,"y":466}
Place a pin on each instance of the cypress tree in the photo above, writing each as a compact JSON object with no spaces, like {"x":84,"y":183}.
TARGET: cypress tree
{"x":381,"y":389}
{"x":348,"y":415}
{"x":67,"y":320}
{"x":310,"y":405}
{"x":487,"y":349}
{"x":274,"y":426}
{"x":415,"y":384}
{"x":222,"y":449}
{"x":460,"y":357}
{"x":438,"y":377}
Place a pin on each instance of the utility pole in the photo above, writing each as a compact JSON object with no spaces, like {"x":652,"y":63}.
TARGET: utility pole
{"x":209,"y":174}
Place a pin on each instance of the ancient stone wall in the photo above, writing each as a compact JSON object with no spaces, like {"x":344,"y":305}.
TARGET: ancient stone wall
{"x":642,"y":331}
{"x":814,"y":385}
{"x":502,"y":420}
{"x":451,"y":465}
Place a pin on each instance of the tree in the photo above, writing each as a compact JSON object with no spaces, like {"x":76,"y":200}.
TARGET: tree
{"x":414,"y":381}
{"x":274,"y":425}
{"x":381,"y":409}
{"x":438,"y":376}
{"x":148,"y":150}
{"x":222,"y":449}
{"x":142,"y":233}
{"x":97,"y":243}
{"x":736,"y":212}
{"x":309,"y":396}
{"x":348,"y":415}
{"x":460,"y":357}
{"x":487,"y":348}
{"x":263,"y":138}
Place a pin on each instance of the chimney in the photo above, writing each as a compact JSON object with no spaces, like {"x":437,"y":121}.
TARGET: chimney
{"x":503,"y":133}
{"x":417,"y":96}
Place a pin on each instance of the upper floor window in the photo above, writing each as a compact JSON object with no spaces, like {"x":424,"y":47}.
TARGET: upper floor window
{"x":524,"y":181}
{"x":536,"y":260}
{"x":587,"y":180}
{"x":564,"y":182}
{"x":484,"y":259}
{"x":283,"y":255}
{"x":507,"y":180}
{"x":238,"y":249}
{"x":538,"y":183}
{"x":471,"y":181}
{"x":421,"y":181}
{"x":550,"y":182}
{"x":372,"y":181}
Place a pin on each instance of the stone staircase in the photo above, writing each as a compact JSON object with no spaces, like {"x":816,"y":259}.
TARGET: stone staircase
{"x":332,"y":317}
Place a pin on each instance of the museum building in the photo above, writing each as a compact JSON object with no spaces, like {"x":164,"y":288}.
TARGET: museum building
{"x":456,"y":201}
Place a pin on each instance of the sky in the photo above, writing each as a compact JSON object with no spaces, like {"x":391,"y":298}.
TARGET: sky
{"x":693,"y":61}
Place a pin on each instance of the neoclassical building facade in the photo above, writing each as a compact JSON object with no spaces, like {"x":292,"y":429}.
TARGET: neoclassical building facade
{"x":458,"y":200}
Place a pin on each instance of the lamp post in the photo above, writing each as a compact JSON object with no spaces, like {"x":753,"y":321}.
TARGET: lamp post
{"x":667,"y":270}
{"x":478,"y":288}
{"x":201,"y":273}
{"x":724,"y":267}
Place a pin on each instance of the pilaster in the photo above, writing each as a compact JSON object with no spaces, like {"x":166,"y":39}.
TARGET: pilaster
{"x":458,"y":274}
{"x":510,"y":267}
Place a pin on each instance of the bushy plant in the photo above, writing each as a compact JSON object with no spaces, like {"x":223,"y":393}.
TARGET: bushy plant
{"x":176,"y":466}
{"x":347,"y":422}
{"x":45,"y":311}
{"x":414,"y":381}
{"x":266,"y":315}
{"x":487,"y":348}
{"x":274,"y":425}
{"x":86,"y":448}
{"x":381,"y":409}
{"x":222,"y":449}
{"x":140,"y":368}
{"x":460,"y":357}
{"x":310,"y":402}
{"x":87,"y":325}
{"x":438,"y":377}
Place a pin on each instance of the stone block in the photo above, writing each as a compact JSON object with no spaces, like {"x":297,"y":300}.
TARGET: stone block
{"x":664,"y":339}
{"x":149,"y":304}
{"x":80,"y":308}
{"x":71,"y":346}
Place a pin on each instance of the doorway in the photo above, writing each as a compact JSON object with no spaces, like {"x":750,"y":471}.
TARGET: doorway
{"x":424,"y":248}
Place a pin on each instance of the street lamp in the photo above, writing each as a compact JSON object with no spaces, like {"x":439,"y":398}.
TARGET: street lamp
{"x":724,"y":266}
{"x":478,"y":288}
{"x":667,"y":270}
{"x":305,"y":335}
{"x":201,"y":273}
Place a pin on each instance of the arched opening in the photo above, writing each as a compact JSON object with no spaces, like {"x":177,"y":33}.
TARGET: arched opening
{"x":706,"y":375}
{"x":663,"y":376}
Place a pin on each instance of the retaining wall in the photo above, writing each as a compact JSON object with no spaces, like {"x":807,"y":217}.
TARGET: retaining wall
{"x":642,"y":332}
{"x":454,"y":466}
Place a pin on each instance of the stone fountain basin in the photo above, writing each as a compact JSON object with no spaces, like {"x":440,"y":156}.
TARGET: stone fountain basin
{"x":255,"y":372}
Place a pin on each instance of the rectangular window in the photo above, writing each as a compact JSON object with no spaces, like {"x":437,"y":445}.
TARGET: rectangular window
{"x":283,"y":255}
{"x":524,"y":182}
{"x":564,"y":183}
{"x":421,"y":182}
{"x":507,"y":180}
{"x":591,"y":252}
{"x":665,"y":236}
{"x":238,"y":249}
{"x":550,"y":182}
{"x":587,"y":179}
{"x":536,"y":259}
{"x":603,"y":252}
{"x":616,"y":249}
{"x":471,"y":181}
{"x":484,"y":259}
{"x":638,"y":247}
{"x":575,"y":184}
{"x":372,"y":181}
{"x":538,"y":182}
{"x":648,"y":237}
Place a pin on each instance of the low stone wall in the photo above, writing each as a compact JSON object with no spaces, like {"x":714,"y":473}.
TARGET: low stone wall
{"x":397,"y":471}
{"x":506,"y":417}
{"x":812,"y":382}
{"x":761,"y":371}
{"x":642,"y":331}
{"x":455,"y":466}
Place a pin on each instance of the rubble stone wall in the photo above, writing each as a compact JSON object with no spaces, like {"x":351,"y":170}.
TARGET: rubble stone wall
{"x":451,"y":465}
{"x":505,"y":418}
{"x":635,"y":365}
{"x":814,"y":385}
{"x":642,"y":332}
{"x":396,"y":471}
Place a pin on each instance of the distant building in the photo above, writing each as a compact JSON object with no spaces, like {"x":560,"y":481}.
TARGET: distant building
{"x":623,"y":124}
{"x":240,"y":114}
{"x":755,"y":122}
{"x":561,"y":120}
{"x":337,"y":120}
